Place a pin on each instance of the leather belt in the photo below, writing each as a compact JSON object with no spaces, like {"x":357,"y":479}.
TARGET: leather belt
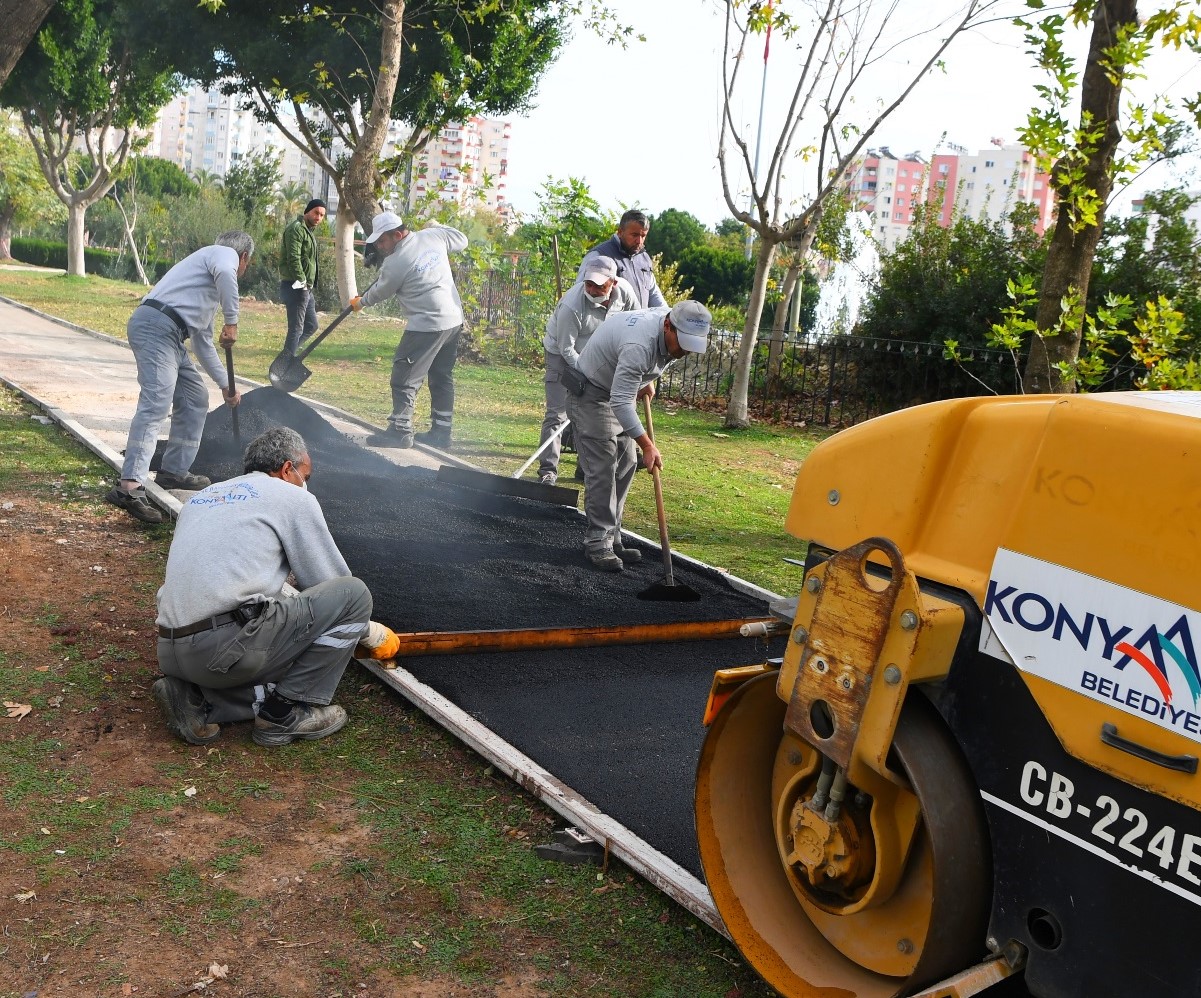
{"x":241,"y":616}
{"x":170,"y":313}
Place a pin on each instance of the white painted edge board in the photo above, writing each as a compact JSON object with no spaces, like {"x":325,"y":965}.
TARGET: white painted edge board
{"x":659,"y":870}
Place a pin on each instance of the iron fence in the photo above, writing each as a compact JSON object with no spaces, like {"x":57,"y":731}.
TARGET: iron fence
{"x":829,"y":381}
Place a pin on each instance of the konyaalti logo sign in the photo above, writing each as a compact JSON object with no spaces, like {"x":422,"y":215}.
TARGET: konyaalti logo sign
{"x":1110,"y":643}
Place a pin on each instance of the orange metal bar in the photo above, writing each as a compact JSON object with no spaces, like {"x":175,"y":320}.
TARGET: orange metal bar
{"x":450,"y":642}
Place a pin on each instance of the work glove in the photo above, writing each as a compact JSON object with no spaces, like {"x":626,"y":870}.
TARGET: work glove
{"x":356,"y":303}
{"x":298,"y":285}
{"x":379,"y":643}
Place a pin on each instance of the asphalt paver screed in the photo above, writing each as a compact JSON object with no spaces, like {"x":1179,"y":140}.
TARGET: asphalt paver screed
{"x":619,"y":725}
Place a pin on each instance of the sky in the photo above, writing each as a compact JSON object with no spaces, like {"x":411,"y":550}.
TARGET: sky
{"x":640,"y":125}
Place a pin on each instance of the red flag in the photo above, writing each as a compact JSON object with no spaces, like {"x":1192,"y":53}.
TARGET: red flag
{"x":767,"y":40}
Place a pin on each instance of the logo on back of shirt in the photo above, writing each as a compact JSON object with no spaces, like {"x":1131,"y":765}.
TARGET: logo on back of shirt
{"x":221,"y":495}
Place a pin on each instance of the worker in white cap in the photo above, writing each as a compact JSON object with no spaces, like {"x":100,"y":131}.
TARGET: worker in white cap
{"x":618,"y":367}
{"x":416,"y":269}
{"x":577,"y":316}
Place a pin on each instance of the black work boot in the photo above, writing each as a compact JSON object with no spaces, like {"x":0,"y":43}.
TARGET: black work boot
{"x":437,"y":437}
{"x":390,"y":437}
{"x":303,"y":722}
{"x":136,"y":503}
{"x":186,"y":482}
{"x":185,"y":711}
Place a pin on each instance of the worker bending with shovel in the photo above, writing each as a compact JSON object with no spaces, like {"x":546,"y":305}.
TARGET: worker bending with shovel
{"x":232,"y":644}
{"x":416,"y":269}
{"x":616,"y":368}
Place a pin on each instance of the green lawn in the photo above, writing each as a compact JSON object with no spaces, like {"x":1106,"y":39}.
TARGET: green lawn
{"x":726,"y":491}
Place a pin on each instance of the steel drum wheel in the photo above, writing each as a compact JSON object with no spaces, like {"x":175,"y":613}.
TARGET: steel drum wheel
{"x":749,"y":773}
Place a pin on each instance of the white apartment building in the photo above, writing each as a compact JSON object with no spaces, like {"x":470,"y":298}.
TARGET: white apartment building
{"x":202,"y":129}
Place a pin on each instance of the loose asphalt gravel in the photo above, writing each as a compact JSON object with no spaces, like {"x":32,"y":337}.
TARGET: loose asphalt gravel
{"x":620,"y":725}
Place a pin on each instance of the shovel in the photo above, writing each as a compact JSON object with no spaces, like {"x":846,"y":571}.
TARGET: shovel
{"x":233,"y":409}
{"x":287,"y":372}
{"x":667,"y":590}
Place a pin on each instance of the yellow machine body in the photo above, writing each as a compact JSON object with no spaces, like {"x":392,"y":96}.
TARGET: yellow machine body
{"x":973,"y":554}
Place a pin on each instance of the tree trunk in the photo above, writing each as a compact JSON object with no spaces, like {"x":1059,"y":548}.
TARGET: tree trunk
{"x":344,"y":255}
{"x":129,"y":239}
{"x":362,"y":182}
{"x":736,"y":410}
{"x":75,"y":234}
{"x":775,"y":351}
{"x":21,"y":20}
{"x":1070,"y":255}
{"x":6,"y":230}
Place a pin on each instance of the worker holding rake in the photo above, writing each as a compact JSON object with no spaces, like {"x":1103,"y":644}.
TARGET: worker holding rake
{"x":617,"y":367}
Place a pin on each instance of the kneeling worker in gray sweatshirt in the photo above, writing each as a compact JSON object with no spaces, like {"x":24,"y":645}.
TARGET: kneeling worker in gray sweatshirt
{"x":232,"y":645}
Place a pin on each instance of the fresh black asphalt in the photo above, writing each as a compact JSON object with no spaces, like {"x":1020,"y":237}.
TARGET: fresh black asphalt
{"x":620,"y":725}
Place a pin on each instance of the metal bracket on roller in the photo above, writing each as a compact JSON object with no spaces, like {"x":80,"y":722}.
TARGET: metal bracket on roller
{"x":863,"y":632}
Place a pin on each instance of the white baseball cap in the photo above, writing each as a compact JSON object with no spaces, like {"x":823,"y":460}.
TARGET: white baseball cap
{"x":691,"y":320}
{"x":385,"y":221}
{"x":601,"y":269}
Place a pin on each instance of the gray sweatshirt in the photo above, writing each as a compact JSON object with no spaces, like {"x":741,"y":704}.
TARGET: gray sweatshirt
{"x":237,"y":541}
{"x":195,"y":287}
{"x":627,"y":352}
{"x":418,"y":273}
{"x":575,"y":318}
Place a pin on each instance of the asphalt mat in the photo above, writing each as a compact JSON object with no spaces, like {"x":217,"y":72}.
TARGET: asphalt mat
{"x":620,"y":725}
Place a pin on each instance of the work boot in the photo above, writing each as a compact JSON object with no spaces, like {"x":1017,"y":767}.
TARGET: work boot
{"x":437,"y":437}
{"x":182,"y":704}
{"x":304,"y":722}
{"x":606,"y":561}
{"x":187,"y":481}
{"x":136,"y":503}
{"x":547,"y":479}
{"x":391,"y":437}
{"x":628,"y":556}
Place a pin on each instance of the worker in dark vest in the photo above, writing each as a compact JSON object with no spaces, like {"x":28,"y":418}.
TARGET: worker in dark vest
{"x":627,"y":249}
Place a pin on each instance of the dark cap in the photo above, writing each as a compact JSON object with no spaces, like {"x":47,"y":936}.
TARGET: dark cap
{"x":315,"y":203}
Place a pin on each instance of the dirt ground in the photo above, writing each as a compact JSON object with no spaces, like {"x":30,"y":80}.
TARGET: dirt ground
{"x":86,"y":910}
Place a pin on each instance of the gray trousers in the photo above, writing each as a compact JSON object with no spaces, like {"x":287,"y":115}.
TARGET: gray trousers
{"x":302,"y":315}
{"x":609,"y":458}
{"x":168,"y":382}
{"x":556,"y":413}
{"x":299,"y":647}
{"x":420,"y":354}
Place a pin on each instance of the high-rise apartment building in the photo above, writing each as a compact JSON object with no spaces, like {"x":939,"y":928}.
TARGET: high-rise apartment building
{"x":986,"y":185}
{"x":203,"y":129}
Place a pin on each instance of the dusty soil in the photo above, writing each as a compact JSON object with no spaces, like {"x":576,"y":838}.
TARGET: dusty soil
{"x":85,"y":910}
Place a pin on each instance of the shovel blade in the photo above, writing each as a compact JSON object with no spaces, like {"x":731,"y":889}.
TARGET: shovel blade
{"x":287,"y":373}
{"x":670,"y":592}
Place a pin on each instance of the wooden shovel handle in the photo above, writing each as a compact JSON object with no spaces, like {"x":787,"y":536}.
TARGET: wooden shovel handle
{"x":663,"y":541}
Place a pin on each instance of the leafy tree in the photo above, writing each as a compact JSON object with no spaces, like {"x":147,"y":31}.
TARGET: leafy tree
{"x":672,"y":232}
{"x":1084,"y":160}
{"x":715,"y":273}
{"x":947,"y":286}
{"x":835,"y":96}
{"x":24,"y":195}
{"x":158,"y":178}
{"x":335,"y":78}
{"x":21,"y":20}
{"x":207,"y":180}
{"x":290,"y":201}
{"x":86,"y":82}
{"x":250,"y":186}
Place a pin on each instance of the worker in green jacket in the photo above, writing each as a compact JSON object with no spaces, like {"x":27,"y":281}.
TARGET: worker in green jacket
{"x":298,"y":274}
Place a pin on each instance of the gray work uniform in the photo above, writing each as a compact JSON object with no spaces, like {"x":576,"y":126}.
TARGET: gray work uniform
{"x":418,"y":273}
{"x":626,"y":353}
{"x":235,"y":544}
{"x":568,"y":330}
{"x":168,"y":381}
{"x":636,"y":268}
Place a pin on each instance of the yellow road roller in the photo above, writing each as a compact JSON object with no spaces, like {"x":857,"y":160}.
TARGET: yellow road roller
{"x":974,"y":769}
